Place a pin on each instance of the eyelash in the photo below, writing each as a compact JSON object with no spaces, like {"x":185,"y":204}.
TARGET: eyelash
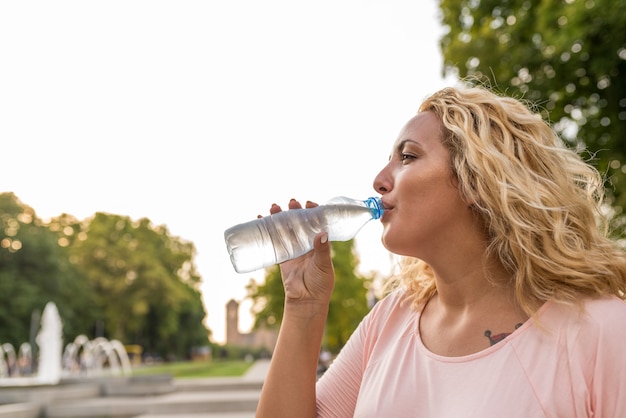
{"x":404,"y":156}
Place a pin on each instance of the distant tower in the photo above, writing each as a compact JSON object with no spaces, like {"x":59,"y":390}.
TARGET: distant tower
{"x":232,"y":322}
{"x":261,"y":337}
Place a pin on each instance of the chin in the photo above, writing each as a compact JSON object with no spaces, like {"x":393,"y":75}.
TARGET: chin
{"x":389,"y":245}
{"x":402,"y":248}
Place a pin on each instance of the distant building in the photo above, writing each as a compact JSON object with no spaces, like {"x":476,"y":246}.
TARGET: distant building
{"x":261,"y":338}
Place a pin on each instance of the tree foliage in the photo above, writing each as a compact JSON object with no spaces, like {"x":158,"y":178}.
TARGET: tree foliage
{"x":348,"y":303}
{"x":144,"y":280}
{"x":35,"y":270}
{"x":109,"y":275}
{"x":566,"y":56}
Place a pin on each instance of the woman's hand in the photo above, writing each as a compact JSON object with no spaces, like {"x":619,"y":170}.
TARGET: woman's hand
{"x":310,"y":277}
{"x":289,"y":388}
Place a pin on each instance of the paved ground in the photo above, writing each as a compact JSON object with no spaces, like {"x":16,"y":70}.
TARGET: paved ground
{"x":257,"y":372}
{"x":228,"y":397}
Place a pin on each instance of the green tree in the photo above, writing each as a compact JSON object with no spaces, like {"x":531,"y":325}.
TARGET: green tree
{"x":35,"y":270}
{"x":144,"y":280}
{"x":108,"y":275}
{"x":566,"y":56}
{"x":348,"y":303}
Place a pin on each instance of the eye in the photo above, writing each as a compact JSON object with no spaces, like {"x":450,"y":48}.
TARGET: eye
{"x":405,"y":157}
{"x":408,"y":150}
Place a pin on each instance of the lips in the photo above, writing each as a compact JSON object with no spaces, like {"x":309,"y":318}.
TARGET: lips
{"x":386,"y":206}
{"x":386,"y":209}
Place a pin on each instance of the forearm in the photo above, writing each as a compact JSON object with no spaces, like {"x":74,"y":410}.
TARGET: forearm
{"x":289,"y":388}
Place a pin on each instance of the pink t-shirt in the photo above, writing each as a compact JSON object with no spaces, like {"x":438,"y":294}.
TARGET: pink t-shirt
{"x":573,"y":366}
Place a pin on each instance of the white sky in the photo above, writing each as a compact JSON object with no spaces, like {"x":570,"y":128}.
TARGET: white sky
{"x":200,"y":114}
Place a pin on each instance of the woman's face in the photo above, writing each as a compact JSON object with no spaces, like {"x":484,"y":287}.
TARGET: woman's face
{"x":424,"y":211}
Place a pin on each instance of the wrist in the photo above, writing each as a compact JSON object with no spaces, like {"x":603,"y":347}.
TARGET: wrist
{"x":305,"y":310}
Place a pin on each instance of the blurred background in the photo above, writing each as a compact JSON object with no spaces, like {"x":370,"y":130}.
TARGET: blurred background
{"x":135,"y":133}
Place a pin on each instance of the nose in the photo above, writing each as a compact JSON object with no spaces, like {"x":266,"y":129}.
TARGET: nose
{"x":382,"y":182}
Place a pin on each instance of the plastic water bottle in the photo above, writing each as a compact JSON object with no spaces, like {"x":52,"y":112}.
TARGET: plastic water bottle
{"x":289,"y":234}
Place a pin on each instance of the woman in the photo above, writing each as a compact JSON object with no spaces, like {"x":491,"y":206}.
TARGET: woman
{"x":509,"y":299}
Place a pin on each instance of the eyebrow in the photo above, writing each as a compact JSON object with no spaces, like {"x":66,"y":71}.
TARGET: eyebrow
{"x":402,"y":144}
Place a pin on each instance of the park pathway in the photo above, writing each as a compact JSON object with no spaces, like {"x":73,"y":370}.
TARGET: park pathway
{"x":141,"y":397}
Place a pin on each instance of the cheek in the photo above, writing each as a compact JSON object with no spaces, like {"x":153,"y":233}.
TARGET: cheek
{"x":402,"y":234}
{"x":426,"y":211}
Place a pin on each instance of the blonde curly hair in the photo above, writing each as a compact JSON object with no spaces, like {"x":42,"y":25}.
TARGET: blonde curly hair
{"x":540,"y":202}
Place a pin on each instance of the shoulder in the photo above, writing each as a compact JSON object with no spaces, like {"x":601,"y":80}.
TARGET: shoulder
{"x":601,"y":311}
{"x":599,"y":353}
{"x":393,"y":304}
{"x":599,"y":307}
{"x":599,"y":325}
{"x":607,"y":316}
{"x":574,"y":354}
{"x":391,"y":315}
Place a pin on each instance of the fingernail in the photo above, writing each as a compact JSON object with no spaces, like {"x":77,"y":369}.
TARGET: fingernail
{"x":324,"y":238}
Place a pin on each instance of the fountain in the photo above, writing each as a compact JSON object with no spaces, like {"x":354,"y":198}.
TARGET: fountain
{"x":50,"y":340}
{"x":82,"y":357}
{"x":5,"y":361}
{"x":12,"y":364}
{"x":47,"y":377}
{"x":88,"y":358}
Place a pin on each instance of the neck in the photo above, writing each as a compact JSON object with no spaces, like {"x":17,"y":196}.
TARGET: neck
{"x":470,"y":283}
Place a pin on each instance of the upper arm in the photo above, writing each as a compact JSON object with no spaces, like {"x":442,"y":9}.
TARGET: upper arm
{"x":338,"y":389}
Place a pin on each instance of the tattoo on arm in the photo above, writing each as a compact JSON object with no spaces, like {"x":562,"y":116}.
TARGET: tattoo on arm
{"x":493,"y":339}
